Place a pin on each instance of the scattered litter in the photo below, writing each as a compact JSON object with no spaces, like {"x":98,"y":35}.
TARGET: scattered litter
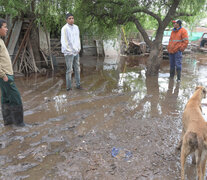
{"x":121,"y":153}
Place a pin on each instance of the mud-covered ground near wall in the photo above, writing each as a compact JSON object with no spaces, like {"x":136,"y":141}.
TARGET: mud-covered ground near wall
{"x":122,"y":125}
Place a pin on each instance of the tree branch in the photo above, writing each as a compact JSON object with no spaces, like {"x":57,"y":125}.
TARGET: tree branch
{"x":141,"y":30}
{"x":182,"y":14}
{"x":171,"y":13}
{"x":146,"y":11}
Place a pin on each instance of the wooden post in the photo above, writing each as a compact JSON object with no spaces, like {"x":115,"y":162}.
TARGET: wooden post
{"x":10,"y":32}
{"x":32,"y":56}
{"x":44,"y":57}
{"x":50,"y":54}
{"x":22,"y":58}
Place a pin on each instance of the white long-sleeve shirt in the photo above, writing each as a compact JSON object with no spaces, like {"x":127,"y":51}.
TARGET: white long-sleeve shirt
{"x":70,"y":39}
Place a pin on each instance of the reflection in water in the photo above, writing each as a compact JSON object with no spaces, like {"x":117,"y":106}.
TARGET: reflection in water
{"x":60,"y":102}
{"x":153,"y":92}
{"x":169,"y":105}
{"x":111,"y":63}
{"x":154,"y":98}
{"x":128,"y":80}
{"x":147,"y":97}
{"x":191,"y":64}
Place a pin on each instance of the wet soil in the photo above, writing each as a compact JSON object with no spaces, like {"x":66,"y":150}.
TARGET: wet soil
{"x":121,"y":126}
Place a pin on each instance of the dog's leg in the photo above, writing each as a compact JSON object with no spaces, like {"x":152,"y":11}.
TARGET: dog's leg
{"x":185,"y":151}
{"x":199,"y":172}
{"x":193,"y":159}
{"x":183,"y":157}
{"x":203,"y":169}
{"x":203,"y":165}
{"x":181,"y":140}
{"x":198,"y":164}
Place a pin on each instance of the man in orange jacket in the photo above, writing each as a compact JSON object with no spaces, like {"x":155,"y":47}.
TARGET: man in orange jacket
{"x":177,"y":44}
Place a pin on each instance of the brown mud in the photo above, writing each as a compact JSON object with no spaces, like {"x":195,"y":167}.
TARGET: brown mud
{"x":121,"y":126}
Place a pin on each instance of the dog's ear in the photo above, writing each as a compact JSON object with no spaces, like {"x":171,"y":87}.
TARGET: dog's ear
{"x":198,"y":87}
{"x":204,"y":92}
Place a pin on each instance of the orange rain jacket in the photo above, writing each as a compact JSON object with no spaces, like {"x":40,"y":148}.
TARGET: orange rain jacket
{"x":178,"y":41}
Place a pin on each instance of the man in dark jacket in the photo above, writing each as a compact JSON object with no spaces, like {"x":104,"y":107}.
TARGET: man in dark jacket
{"x":11,"y":103}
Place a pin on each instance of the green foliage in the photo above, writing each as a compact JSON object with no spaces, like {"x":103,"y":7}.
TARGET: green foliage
{"x":100,"y":17}
{"x":14,"y":7}
{"x":106,"y":14}
{"x":192,"y":7}
{"x":48,"y":13}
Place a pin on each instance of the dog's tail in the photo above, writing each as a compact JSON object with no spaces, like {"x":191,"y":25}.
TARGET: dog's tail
{"x":194,"y":142}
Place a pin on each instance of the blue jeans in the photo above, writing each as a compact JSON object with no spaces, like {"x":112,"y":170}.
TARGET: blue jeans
{"x":72,"y":61}
{"x":176,"y":60}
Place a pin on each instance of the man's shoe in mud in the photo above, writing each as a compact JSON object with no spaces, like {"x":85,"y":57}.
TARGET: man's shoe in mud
{"x":79,"y":87}
{"x":20,"y":125}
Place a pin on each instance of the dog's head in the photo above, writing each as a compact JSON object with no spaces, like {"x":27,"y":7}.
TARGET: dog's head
{"x":203,"y":91}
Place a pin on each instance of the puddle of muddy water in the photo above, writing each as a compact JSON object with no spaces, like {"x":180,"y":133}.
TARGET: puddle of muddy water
{"x":70,"y":135}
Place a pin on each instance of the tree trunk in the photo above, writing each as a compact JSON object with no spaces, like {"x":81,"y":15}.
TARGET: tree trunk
{"x":34,"y":35}
{"x":154,"y":60}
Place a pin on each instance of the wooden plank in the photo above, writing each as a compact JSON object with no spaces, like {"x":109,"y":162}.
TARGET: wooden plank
{"x":9,"y":35}
{"x":32,"y":57}
{"x":15,"y":32}
{"x":44,"y":57}
{"x":22,"y":58}
{"x":23,"y":41}
{"x":49,"y":48}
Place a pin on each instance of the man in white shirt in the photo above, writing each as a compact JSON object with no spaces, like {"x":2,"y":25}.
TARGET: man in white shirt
{"x":70,"y":47}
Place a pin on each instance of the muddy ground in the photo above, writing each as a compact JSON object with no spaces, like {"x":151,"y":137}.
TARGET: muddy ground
{"x":121,"y":126}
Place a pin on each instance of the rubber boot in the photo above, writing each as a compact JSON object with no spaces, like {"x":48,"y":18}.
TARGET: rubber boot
{"x":7,"y":115}
{"x":178,"y":75}
{"x":172,"y":73}
{"x":18,"y":115}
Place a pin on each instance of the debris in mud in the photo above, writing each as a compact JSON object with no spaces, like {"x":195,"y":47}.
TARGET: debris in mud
{"x":121,"y":153}
{"x":136,"y":47}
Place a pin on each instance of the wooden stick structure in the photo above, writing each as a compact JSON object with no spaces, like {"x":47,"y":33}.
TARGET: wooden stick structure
{"x":23,"y":42}
{"x":22,"y":51}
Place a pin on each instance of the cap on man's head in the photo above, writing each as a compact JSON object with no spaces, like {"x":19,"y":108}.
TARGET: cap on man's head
{"x":177,"y":21}
{"x":68,"y":15}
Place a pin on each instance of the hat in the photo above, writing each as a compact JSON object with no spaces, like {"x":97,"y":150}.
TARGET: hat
{"x":177,"y":21}
{"x":68,"y":15}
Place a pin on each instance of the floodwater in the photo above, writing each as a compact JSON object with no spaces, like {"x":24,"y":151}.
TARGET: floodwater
{"x":121,"y":126}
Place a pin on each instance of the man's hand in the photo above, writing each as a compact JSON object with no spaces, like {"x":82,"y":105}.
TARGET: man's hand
{"x":5,"y":78}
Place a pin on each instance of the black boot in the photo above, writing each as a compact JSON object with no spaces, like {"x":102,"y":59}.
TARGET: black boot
{"x":172,"y":73}
{"x":7,"y":115}
{"x":18,"y":115}
{"x":178,"y":75}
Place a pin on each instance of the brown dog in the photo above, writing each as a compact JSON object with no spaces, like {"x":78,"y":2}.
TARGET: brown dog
{"x":194,"y":133}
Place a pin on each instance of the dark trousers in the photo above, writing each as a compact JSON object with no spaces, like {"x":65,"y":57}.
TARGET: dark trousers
{"x":11,"y":103}
{"x":176,"y":60}
{"x":9,"y":92}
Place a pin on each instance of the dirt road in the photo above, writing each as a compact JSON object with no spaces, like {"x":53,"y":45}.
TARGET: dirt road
{"x":121,"y":126}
